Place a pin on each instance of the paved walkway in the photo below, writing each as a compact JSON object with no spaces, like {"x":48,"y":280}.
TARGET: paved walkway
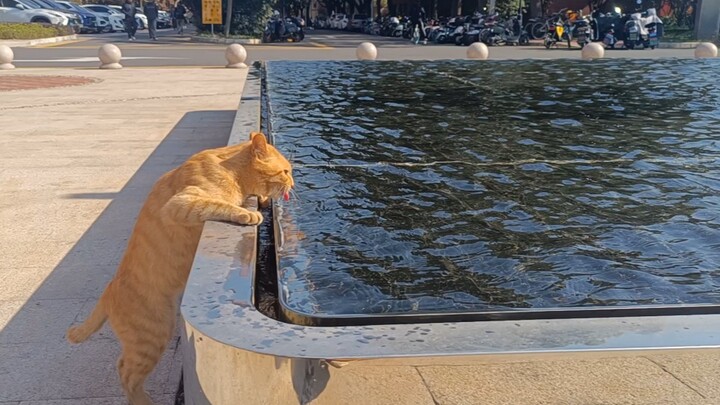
{"x":75,"y":166}
{"x":76,"y":163}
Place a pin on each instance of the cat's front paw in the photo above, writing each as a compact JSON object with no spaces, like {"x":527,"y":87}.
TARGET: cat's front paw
{"x":248,"y":218}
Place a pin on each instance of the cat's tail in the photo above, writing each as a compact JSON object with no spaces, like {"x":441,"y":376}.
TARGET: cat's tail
{"x":78,"y":334}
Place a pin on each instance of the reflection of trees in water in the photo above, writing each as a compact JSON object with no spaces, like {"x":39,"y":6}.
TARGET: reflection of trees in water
{"x":477,"y":117}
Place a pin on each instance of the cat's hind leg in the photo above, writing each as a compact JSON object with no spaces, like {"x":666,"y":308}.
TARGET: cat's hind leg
{"x":143,"y":343}
{"x":133,"y":371}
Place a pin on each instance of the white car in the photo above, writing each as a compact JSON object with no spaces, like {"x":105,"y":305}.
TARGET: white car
{"x":164,"y":20}
{"x":114,"y":17}
{"x":102,"y":22}
{"x":139,"y":17}
{"x":16,"y":11}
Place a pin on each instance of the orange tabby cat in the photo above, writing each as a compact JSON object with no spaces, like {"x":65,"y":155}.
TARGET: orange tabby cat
{"x":141,"y":301}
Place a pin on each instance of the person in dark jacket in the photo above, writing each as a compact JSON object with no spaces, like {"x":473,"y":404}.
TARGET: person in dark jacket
{"x":417,"y":18}
{"x":128,"y":9}
{"x":151,"y":12}
{"x":180,"y":11}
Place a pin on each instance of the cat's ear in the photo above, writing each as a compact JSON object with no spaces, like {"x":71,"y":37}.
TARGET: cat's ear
{"x":259,"y":143}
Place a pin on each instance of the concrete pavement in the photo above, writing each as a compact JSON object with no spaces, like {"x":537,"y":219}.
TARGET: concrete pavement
{"x":76,"y":164}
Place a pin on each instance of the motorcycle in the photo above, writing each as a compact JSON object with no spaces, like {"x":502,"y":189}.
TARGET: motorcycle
{"x":635,"y":32}
{"x":279,"y":30}
{"x":652,"y":35}
{"x":452,"y":31}
{"x":609,"y":39}
{"x":392,"y":28}
{"x":583,"y":32}
{"x":515,"y":34}
{"x":507,"y":33}
{"x":474,"y":29}
{"x":654,"y":26}
{"x":556,"y":32}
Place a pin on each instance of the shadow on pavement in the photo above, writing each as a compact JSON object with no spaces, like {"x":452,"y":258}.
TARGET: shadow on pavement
{"x":36,"y":363}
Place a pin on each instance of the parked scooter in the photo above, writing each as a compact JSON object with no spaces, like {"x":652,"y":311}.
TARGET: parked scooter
{"x":652,"y":35}
{"x":653,"y":24}
{"x":556,"y":32}
{"x":472,"y":28}
{"x":609,"y":39}
{"x":287,"y":30}
{"x":583,"y":32}
{"x":635,"y":32}
{"x":453,"y":28}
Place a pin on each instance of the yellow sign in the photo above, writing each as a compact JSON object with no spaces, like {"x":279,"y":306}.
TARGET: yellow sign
{"x":212,"y":11}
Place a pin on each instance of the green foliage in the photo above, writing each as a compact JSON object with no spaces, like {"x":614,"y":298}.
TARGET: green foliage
{"x":32,"y":31}
{"x":509,"y":7}
{"x":248,"y":16}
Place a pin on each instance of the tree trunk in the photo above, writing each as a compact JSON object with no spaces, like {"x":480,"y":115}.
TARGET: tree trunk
{"x":536,"y":8}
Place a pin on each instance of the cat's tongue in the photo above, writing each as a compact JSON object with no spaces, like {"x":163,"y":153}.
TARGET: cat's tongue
{"x":286,"y":196}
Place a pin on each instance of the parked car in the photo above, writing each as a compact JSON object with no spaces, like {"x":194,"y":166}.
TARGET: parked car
{"x":18,"y":12}
{"x":96,"y":22}
{"x":139,"y":17}
{"x":115,"y":17}
{"x":357,"y":22}
{"x":77,"y":22}
{"x":164,"y":20}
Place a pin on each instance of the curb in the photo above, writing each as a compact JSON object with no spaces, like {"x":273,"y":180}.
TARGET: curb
{"x":678,"y":45}
{"x":244,"y":41}
{"x":40,"y":41}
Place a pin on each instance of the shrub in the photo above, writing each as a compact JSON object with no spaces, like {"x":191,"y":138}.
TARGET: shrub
{"x":32,"y":31}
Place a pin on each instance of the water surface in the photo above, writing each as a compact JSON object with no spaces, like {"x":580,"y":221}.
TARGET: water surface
{"x":463,"y":186}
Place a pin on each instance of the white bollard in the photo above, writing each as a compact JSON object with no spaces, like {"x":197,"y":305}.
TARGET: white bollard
{"x":235,"y":55}
{"x":706,"y":50}
{"x":366,"y":51}
{"x":478,"y":50}
{"x":593,"y":51}
{"x":110,"y":56}
{"x":6,"y":58}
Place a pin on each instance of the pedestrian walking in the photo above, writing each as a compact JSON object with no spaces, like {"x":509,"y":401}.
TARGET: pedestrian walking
{"x":180,"y":11}
{"x":151,"y":12}
{"x":129,"y":10}
{"x":418,"y":18}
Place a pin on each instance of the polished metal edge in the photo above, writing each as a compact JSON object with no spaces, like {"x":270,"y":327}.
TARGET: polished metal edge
{"x":218,"y":303}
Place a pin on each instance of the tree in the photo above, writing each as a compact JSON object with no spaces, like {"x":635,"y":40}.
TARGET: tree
{"x":509,"y":7}
{"x":247,"y":17}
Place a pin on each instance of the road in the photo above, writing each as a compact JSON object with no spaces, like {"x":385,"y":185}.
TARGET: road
{"x":175,"y":50}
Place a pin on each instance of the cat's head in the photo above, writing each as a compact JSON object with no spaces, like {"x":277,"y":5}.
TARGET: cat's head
{"x":273,"y":172}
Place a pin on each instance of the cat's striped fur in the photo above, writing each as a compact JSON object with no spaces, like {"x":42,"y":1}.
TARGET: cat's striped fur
{"x":141,"y":300}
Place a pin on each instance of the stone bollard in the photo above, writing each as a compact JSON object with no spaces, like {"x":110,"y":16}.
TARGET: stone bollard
{"x":235,"y":55}
{"x":366,"y":51}
{"x":706,"y":50}
{"x":478,"y":50}
{"x":6,"y":58}
{"x":110,"y":56}
{"x":593,"y":51}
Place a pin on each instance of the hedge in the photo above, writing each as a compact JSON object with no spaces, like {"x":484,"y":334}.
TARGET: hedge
{"x":32,"y":31}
